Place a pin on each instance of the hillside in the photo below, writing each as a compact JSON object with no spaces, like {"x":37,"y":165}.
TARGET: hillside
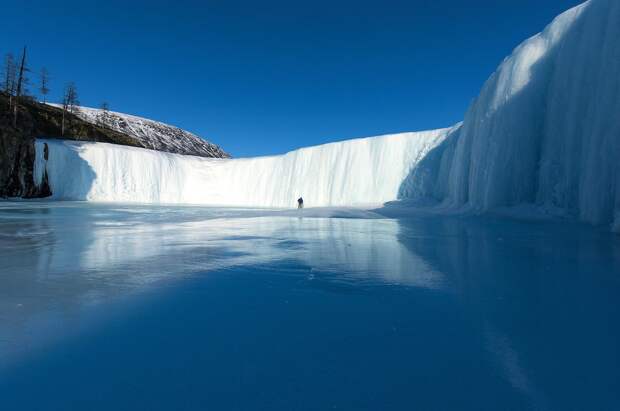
{"x":153,"y":134}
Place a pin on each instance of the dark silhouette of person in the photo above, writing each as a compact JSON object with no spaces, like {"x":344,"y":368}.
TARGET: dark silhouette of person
{"x":300,"y":202}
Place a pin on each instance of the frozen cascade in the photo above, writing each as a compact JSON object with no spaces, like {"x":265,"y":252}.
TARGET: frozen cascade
{"x":545,"y":129}
{"x":544,"y":132}
{"x":355,"y":172}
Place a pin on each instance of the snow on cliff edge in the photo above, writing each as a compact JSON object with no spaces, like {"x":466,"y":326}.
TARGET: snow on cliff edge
{"x":152,"y":134}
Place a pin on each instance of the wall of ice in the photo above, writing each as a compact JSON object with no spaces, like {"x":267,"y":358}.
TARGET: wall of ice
{"x":544,"y":131}
{"x":354,"y":172}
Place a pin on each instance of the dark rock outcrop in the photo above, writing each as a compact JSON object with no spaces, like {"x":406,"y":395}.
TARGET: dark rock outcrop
{"x":16,"y":164}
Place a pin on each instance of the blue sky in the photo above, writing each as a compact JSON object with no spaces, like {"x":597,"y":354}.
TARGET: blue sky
{"x":265,"y":77}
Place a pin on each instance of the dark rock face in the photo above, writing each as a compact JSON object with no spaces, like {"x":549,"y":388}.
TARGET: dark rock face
{"x":17,"y":154}
{"x":16,"y":170}
{"x":20,"y":178}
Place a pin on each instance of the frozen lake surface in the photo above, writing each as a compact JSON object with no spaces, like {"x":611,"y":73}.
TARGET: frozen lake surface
{"x":112,"y":307}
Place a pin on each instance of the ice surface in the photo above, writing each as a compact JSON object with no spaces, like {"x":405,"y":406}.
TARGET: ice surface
{"x":75,"y":255}
{"x":127,"y":306}
{"x":543,"y":134}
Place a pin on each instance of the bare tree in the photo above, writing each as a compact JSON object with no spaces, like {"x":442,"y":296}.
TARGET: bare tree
{"x":70,"y":103}
{"x":72,"y":98}
{"x":9,"y":77}
{"x":44,"y":80}
{"x":65,"y":105}
{"x":22,"y":80}
{"x":103,"y":116}
{"x":8,"y":73}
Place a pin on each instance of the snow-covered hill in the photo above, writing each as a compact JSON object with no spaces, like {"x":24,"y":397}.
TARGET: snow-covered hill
{"x":152,"y":134}
{"x":544,"y":133}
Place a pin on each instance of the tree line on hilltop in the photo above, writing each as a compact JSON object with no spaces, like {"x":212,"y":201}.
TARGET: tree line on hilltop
{"x":15,"y":82}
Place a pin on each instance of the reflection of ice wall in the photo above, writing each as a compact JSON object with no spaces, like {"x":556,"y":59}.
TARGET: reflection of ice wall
{"x":64,"y":257}
{"x":545,"y":130}
{"x":349,"y":248}
{"x":363,"y":171}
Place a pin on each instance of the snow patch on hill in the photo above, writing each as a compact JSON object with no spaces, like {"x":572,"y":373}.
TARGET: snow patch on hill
{"x":152,"y":134}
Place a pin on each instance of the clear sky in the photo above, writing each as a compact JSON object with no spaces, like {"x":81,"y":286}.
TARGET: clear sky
{"x":265,"y":77}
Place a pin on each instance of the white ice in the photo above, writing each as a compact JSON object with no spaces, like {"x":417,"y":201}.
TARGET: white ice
{"x":544,"y":133}
{"x":356,"y":172}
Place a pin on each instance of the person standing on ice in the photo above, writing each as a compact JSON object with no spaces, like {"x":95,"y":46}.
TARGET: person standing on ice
{"x":300,"y":203}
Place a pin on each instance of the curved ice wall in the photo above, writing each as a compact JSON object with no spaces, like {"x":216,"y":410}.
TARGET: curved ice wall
{"x":545,"y":130}
{"x":354,"y":172}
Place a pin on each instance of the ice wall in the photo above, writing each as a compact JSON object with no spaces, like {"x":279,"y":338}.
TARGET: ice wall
{"x":545,"y":129}
{"x":354,"y":172}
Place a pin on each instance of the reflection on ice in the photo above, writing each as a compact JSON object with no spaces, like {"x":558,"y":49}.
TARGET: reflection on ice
{"x":58,"y":257}
{"x":122,"y":247}
{"x":520,"y":310}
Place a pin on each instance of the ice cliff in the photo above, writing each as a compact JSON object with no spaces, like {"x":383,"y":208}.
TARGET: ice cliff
{"x":354,"y":172}
{"x":545,"y":129}
{"x":544,"y":132}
